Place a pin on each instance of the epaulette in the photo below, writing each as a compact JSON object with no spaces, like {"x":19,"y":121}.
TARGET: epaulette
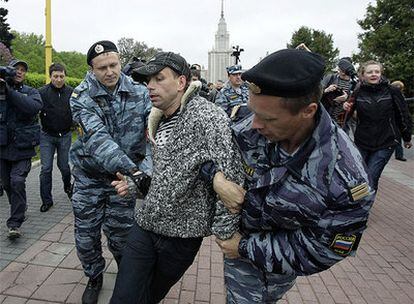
{"x":357,"y":186}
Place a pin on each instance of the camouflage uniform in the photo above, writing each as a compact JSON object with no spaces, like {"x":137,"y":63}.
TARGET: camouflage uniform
{"x":301,"y":215}
{"x":229,"y":98}
{"x":112,"y":138}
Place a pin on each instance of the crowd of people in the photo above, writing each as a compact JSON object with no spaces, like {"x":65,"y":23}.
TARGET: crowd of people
{"x":279,"y":162}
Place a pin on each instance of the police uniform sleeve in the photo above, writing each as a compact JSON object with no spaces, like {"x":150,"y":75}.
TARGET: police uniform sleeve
{"x":222,"y":101}
{"x":146,"y":165}
{"x":227,"y":159}
{"x":320,"y":240}
{"x":28,"y":102}
{"x":97,"y":141}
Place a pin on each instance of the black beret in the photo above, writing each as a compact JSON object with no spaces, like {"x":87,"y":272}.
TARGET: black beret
{"x":286,"y":73}
{"x":99,"y":48}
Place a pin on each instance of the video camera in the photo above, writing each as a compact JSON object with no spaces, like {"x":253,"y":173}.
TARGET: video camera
{"x":7,"y":72}
{"x":6,"y":75}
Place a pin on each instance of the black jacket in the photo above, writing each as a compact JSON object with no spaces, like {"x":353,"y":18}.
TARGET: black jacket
{"x":383,"y":116}
{"x":19,"y":126}
{"x":55,"y":116}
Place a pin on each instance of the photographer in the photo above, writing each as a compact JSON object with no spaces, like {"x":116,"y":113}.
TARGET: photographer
{"x":19,"y":134}
{"x":337,"y":88}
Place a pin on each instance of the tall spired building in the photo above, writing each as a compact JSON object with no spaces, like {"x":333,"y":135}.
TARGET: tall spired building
{"x":220,"y":56}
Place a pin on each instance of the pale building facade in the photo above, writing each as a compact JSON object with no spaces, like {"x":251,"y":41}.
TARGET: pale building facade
{"x":220,"y":56}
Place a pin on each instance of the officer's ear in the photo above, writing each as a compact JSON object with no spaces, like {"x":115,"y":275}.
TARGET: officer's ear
{"x":310,"y":110}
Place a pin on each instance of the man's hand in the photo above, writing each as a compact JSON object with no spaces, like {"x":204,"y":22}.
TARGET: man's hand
{"x":408,"y":144}
{"x":231,"y":194}
{"x":121,"y":185}
{"x":347,"y":106}
{"x":331,"y":88}
{"x":230,"y":247}
{"x":342,"y":98}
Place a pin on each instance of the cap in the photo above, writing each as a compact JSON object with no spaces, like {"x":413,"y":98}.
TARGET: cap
{"x":286,"y":73}
{"x":131,"y":66}
{"x":346,"y":66}
{"x":234,"y":69}
{"x":163,"y":60}
{"x":98,"y":48}
{"x":15,"y":62}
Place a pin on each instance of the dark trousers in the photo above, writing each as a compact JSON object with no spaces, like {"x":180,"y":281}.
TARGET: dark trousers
{"x":399,"y":151}
{"x":376,"y":162}
{"x":151,"y":264}
{"x":13,"y":177}
{"x":48,"y":146}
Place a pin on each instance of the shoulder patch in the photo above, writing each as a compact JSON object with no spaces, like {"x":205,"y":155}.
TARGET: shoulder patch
{"x":343,"y":244}
{"x":74,"y":95}
{"x":359,"y":191}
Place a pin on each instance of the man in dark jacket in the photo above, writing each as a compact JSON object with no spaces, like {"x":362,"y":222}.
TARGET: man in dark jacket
{"x":19,"y":134}
{"x":56,"y":136}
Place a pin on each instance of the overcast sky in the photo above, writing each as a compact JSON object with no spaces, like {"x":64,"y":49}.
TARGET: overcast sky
{"x":188,"y":27}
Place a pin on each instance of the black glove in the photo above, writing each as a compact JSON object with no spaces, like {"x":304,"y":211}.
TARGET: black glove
{"x":142,"y":181}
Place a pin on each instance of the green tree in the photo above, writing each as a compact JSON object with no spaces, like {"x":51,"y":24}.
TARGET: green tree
{"x":31,"y":48}
{"x":388,"y":37}
{"x":319,"y":42}
{"x":129,"y":48}
{"x":74,"y":62}
{"x":5,"y":36}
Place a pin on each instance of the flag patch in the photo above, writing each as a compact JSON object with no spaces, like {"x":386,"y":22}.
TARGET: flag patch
{"x":342,"y":244}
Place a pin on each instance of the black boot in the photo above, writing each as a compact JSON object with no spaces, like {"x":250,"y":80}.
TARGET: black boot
{"x":91,"y":293}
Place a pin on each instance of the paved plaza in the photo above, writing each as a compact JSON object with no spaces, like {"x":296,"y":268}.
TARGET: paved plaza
{"x":42,"y":266}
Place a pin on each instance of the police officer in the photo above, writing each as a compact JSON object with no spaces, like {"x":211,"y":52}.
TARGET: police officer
{"x":234,"y":95}
{"x":307,"y":193}
{"x":111,"y":111}
{"x":19,"y":134}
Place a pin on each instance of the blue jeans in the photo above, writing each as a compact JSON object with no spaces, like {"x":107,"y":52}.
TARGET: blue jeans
{"x":376,"y":162}
{"x":151,"y":264}
{"x":48,"y":146}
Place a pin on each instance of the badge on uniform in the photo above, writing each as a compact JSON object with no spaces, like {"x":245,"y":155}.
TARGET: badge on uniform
{"x":248,"y":170}
{"x":74,"y":95}
{"x":232,"y":97}
{"x":359,"y":191}
{"x":343,"y":244}
{"x":234,"y":111}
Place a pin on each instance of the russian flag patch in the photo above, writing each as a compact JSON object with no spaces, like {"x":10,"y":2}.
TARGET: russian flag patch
{"x":342,"y":244}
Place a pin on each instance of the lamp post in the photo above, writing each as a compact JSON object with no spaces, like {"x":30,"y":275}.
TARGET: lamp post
{"x":48,"y":44}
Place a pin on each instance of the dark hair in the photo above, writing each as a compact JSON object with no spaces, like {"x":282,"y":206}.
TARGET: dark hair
{"x":195,"y":73}
{"x":56,"y":67}
{"x":295,"y":104}
{"x":187,"y":78}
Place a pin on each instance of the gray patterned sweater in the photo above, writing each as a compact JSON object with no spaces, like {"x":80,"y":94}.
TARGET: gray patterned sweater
{"x":179,"y":203}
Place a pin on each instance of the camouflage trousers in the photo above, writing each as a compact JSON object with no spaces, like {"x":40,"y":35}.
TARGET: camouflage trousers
{"x":96,"y":206}
{"x":246,"y":284}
